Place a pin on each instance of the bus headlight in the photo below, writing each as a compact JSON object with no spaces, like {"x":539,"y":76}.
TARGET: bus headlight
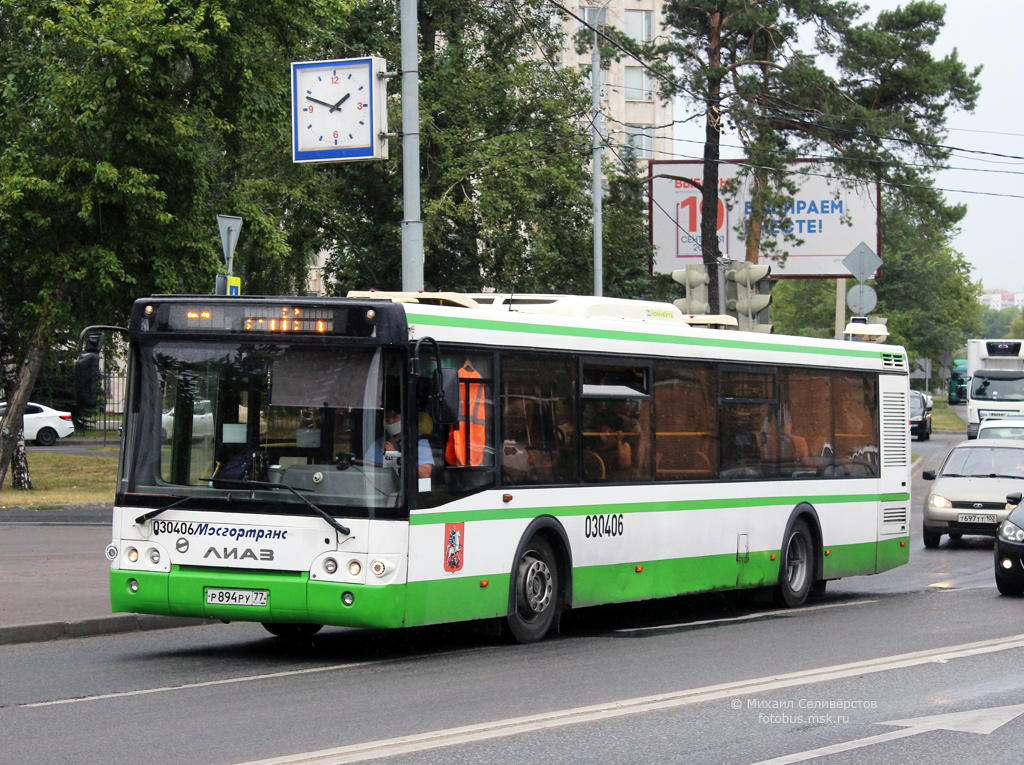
{"x":330,"y":565}
{"x":354,"y":567}
{"x":380,"y":567}
{"x":132,"y":555}
{"x":154,"y":556}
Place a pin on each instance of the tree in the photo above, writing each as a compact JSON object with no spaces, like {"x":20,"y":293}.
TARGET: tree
{"x":880,"y":117}
{"x":627,"y":250}
{"x":997,"y":323}
{"x":1016,"y":328}
{"x":124,"y":128}
{"x":925,"y":287}
{"x":804,"y":307}
{"x":505,"y":164}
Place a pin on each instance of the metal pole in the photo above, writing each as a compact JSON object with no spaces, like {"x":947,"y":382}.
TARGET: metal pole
{"x":840,"y":308}
{"x":596,"y":144}
{"x":412,"y":226}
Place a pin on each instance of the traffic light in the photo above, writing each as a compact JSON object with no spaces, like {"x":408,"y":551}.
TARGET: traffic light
{"x":695,"y":281}
{"x":746,"y":296}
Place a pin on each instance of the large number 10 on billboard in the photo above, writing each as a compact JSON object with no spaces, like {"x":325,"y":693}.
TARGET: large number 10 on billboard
{"x":688,"y":215}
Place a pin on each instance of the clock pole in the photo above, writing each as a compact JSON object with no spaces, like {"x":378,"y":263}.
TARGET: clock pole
{"x":412,"y":226}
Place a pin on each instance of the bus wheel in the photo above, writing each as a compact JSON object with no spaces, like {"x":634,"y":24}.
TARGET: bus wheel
{"x":292,"y":631}
{"x":536,"y":593}
{"x":796,"y":570}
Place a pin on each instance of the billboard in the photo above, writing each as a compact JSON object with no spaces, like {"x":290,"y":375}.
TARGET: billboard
{"x":831,"y":217}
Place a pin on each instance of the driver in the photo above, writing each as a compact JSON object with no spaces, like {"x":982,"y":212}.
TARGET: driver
{"x":391,"y":441}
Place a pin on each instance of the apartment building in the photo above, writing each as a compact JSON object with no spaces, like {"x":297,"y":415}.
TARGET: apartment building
{"x":633,"y":111}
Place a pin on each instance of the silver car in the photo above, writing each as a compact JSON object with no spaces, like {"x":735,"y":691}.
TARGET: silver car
{"x":968,"y":495}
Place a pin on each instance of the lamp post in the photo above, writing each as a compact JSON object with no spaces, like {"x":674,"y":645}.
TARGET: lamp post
{"x":597,"y":147}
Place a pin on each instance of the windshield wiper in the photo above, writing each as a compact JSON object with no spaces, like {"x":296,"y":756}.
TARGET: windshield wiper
{"x":267,"y":485}
{"x":154,"y":513}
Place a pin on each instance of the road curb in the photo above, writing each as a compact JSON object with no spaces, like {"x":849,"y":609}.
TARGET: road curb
{"x":104,"y":625}
{"x":85,"y":514}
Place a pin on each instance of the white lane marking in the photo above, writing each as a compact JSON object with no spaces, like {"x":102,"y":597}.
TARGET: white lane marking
{"x":333,"y":667}
{"x":983,"y":721}
{"x":205,"y":684}
{"x":745,"y":618}
{"x":420,"y":742}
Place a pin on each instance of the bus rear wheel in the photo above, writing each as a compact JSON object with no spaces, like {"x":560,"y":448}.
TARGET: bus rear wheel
{"x":796,"y":569}
{"x":292,"y":631}
{"x":536,"y":594}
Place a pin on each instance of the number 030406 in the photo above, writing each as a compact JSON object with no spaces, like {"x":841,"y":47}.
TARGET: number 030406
{"x":603,"y":526}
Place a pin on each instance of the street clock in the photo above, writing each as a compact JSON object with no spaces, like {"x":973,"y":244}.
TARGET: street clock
{"x":339,"y":110}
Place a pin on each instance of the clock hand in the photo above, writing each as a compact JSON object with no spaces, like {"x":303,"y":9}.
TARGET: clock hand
{"x":344,"y":98}
{"x":322,"y":103}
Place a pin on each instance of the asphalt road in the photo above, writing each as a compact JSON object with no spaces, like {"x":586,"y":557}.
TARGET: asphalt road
{"x":920,"y":664}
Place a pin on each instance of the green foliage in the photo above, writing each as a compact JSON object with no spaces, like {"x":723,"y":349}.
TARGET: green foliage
{"x":1016,"y":328}
{"x":128,"y":125}
{"x":626,"y":246}
{"x":925,"y":287}
{"x":805,"y":307}
{"x":871,"y":97}
{"x":997,"y":323}
{"x":504,"y":165}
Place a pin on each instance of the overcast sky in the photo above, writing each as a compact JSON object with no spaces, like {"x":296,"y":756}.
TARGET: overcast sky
{"x":992,"y":187}
{"x":989,"y":35}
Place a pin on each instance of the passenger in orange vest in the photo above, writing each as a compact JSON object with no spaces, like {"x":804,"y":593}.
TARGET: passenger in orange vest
{"x":471,"y":431}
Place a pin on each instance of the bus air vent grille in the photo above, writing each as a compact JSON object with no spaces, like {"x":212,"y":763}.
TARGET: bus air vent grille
{"x":894,"y":515}
{"x":894,"y":429}
{"x":894,"y":361}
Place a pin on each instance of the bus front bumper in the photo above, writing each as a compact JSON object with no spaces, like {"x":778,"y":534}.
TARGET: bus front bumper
{"x":290,"y":597}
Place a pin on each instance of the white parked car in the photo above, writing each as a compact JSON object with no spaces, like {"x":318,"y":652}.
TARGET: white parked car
{"x":43,"y":424}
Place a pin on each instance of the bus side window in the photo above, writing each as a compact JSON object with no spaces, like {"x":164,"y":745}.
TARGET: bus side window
{"x":538,"y":420}
{"x":686,"y":421}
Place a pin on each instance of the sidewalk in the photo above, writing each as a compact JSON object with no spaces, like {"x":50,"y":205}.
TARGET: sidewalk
{"x":54,"y":577}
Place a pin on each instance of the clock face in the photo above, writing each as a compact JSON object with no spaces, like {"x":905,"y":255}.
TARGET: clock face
{"x":335,"y":110}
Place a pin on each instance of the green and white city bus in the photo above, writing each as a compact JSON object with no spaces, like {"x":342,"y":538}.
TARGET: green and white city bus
{"x":569,"y":451}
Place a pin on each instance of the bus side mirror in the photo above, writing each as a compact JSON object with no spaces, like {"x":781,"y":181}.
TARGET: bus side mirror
{"x":87,"y":373}
{"x":444,"y":397}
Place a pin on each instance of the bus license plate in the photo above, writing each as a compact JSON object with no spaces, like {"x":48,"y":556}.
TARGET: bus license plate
{"x":975,"y":518}
{"x":236,"y":597}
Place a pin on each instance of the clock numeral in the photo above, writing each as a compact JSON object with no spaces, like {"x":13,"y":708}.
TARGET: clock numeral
{"x":335,"y":133}
{"x":334,"y":81}
{"x":359,"y":105}
{"x":310,"y":108}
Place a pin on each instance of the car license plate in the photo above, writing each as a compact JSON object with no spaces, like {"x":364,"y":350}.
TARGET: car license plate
{"x":976,"y":518}
{"x":221,"y":596}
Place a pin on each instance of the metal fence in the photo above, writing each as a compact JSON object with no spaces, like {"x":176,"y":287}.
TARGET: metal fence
{"x":107,"y":416}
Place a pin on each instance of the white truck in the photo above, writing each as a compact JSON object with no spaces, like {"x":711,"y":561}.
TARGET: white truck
{"x":995,"y":382}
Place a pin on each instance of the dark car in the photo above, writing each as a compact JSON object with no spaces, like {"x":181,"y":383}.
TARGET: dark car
{"x":1010,"y":549}
{"x":920,"y":415}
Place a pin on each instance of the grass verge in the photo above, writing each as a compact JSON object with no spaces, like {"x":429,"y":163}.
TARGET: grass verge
{"x":62,"y":479}
{"x":944,"y":418}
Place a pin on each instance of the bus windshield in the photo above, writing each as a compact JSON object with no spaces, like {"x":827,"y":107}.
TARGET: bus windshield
{"x":215,"y":415}
{"x":986,"y":388}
